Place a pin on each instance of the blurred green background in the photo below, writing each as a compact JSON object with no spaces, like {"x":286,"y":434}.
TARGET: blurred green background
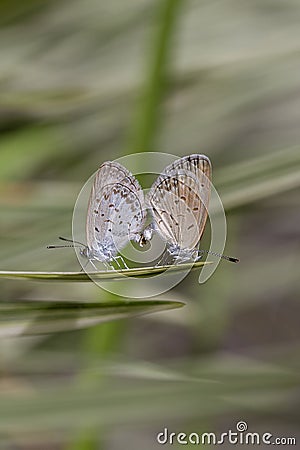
{"x":84,"y":82}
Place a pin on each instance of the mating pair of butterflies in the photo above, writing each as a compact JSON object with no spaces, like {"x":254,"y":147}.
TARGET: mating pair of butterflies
{"x":178,"y":203}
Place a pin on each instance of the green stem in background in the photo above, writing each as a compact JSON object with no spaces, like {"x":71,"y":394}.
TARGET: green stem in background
{"x":145,"y":125}
{"x":86,"y":440}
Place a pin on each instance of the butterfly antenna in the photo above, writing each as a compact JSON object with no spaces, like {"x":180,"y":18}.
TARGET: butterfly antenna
{"x":228,"y":258}
{"x":70,"y":240}
{"x":65,"y":246}
{"x":61,"y":246}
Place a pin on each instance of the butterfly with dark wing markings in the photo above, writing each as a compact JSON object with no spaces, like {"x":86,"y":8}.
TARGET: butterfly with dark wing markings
{"x":178,"y":201}
{"x":116,"y":214}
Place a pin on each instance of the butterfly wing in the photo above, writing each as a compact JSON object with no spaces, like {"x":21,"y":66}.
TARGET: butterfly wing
{"x":179,"y":200}
{"x":116,"y":210}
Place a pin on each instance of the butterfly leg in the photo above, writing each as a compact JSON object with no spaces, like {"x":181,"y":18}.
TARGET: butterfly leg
{"x":164,"y":260}
{"x":93,"y":265}
{"x":117,"y":263}
{"x":119,"y":257}
{"x":160,"y":262}
{"x":108,"y":266}
{"x":83,"y":267}
{"x":199,"y":255}
{"x":124,"y":263}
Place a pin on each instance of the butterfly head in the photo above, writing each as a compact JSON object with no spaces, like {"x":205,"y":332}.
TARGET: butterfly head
{"x":105,"y":251}
{"x":182,"y":254}
{"x":85,"y":252}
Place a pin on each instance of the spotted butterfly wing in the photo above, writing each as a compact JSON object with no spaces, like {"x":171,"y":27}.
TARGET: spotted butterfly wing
{"x":178,"y":200}
{"x":116,"y":211}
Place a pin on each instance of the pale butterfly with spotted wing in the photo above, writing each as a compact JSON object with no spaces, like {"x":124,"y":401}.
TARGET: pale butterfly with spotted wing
{"x":116,"y":214}
{"x":178,"y":201}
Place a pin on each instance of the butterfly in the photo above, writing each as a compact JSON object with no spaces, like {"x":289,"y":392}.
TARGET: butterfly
{"x":116,"y":214}
{"x":178,"y":201}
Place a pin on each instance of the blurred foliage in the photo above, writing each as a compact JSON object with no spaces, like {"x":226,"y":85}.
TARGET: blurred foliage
{"x":81,"y":83}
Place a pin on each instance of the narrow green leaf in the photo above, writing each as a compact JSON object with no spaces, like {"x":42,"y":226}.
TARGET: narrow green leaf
{"x":31,"y":318}
{"x":101,"y":275}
